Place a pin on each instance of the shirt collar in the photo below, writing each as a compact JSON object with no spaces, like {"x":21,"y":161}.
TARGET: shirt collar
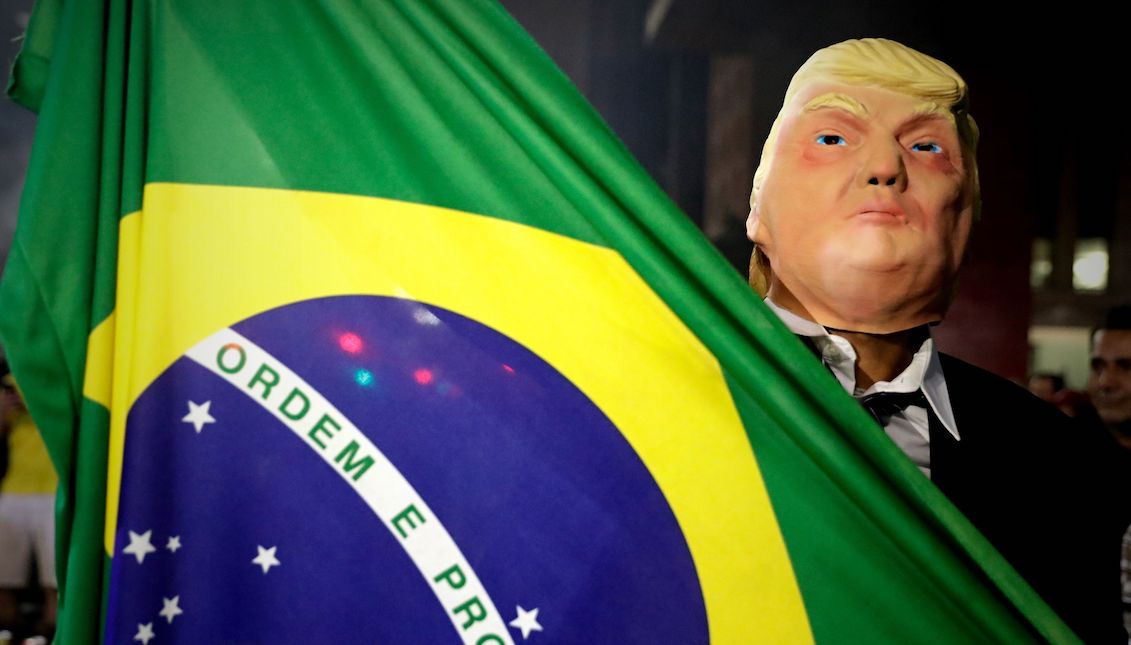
{"x":924,"y":372}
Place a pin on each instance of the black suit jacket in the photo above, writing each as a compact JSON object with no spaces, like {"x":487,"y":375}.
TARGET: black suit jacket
{"x":1042,"y":489}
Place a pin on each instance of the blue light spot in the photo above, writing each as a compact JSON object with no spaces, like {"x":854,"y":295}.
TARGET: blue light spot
{"x":363,"y":377}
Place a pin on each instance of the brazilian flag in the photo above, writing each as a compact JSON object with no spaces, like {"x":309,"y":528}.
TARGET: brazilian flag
{"x":351,"y":321}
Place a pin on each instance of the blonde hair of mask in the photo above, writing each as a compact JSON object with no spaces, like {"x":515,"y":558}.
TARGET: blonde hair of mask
{"x":880,"y":63}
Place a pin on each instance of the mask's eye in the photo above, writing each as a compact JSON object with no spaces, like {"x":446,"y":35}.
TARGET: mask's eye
{"x":830,"y":140}
{"x":927,"y":146}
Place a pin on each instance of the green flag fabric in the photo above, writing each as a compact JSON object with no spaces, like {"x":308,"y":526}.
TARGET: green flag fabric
{"x":353,"y":322}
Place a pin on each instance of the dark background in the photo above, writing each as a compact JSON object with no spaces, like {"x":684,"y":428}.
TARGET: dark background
{"x":691,"y":87}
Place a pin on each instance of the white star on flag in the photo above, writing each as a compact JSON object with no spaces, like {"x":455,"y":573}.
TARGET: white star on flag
{"x":527,"y":621}
{"x":266,"y":558}
{"x":144,"y":633}
{"x":198,"y":415}
{"x":174,"y":543}
{"x":171,"y":609}
{"x":140,"y":546}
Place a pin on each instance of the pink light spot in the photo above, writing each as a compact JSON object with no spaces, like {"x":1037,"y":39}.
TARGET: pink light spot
{"x":423,"y":376}
{"x":350,"y":342}
{"x":508,"y":369}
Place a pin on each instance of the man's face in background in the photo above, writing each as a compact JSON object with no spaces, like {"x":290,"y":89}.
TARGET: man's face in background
{"x":1109,"y":381}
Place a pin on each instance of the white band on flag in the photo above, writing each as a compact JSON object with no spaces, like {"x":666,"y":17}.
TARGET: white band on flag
{"x":344,"y":448}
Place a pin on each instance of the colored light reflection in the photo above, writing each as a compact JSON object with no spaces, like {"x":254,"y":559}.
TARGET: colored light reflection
{"x":350,"y":342}
{"x":448,"y":389}
{"x":424,"y":317}
{"x":423,"y":376}
{"x":364,"y":378}
{"x":508,"y":369}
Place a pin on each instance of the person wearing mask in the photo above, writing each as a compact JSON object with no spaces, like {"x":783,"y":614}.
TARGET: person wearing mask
{"x":861,"y":208}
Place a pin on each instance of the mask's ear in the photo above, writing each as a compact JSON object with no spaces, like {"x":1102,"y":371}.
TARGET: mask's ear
{"x":752,"y":222}
{"x":760,"y":271}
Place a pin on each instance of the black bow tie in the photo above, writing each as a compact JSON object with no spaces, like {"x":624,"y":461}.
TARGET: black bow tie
{"x":882,"y":405}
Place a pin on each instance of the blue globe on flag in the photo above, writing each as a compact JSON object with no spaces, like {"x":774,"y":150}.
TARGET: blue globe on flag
{"x":375,"y":469}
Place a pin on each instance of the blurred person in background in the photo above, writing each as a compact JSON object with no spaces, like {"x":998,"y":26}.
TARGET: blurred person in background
{"x":1109,"y":381}
{"x":1074,"y":403}
{"x":1051,"y":387}
{"x":27,"y":517}
{"x":1046,"y":385}
{"x":1109,"y":385}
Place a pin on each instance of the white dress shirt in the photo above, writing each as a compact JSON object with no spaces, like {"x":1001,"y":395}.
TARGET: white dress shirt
{"x":910,"y":428}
